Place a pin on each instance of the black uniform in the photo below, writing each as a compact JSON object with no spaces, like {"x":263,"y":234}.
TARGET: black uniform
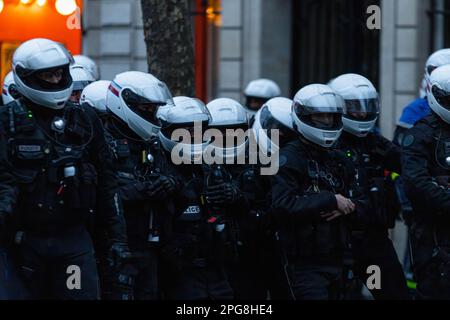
{"x":63,"y":168}
{"x":372,"y":155}
{"x":426,"y":171}
{"x":304,"y":188}
{"x":139,"y":165}
{"x":11,"y":286}
{"x":255,"y":266}
{"x":193,"y":253}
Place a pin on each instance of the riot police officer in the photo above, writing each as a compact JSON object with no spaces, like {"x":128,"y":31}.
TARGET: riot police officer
{"x":311,"y":196}
{"x":81,"y":78}
{"x":419,"y":108}
{"x":9,"y":91}
{"x":275,"y":117}
{"x":238,"y":196}
{"x":425,"y":170}
{"x":94,"y":95}
{"x":63,"y":168}
{"x":258,"y":92}
{"x":11,"y":286}
{"x":193,"y":253}
{"x":372,"y":155}
{"x":275,"y":114}
{"x":88,"y":64}
{"x":133,"y":100}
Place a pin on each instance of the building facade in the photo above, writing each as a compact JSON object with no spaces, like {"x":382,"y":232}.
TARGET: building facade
{"x":293,"y":42}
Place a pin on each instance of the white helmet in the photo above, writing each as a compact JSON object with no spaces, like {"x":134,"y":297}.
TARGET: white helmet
{"x":192,"y":115}
{"x":134,"y":97}
{"x":439,"y":96}
{"x":9,"y":91}
{"x":228,"y":114}
{"x":95,"y":94}
{"x":259,"y":92}
{"x":81,"y":77}
{"x":274,"y":115}
{"x":162,"y":111}
{"x":88,"y":63}
{"x":38,"y":58}
{"x":436,"y":60}
{"x":361,"y":101}
{"x":311,"y":102}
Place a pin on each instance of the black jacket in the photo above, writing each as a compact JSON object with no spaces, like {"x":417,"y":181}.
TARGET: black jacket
{"x":426,"y":148}
{"x":138,"y":163}
{"x":65,"y":175}
{"x":8,"y":190}
{"x":374,"y":156}
{"x":304,"y":188}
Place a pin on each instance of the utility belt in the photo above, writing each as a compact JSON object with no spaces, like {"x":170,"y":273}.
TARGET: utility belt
{"x":62,"y":196}
{"x":211,"y":242}
{"x":320,"y":240}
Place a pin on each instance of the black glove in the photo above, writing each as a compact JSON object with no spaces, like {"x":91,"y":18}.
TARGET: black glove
{"x":225,"y":193}
{"x":149,"y":188}
{"x":166,"y":186}
{"x":119,"y":255}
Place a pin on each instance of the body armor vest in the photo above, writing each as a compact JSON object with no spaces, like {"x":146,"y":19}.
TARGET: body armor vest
{"x":56,"y":180}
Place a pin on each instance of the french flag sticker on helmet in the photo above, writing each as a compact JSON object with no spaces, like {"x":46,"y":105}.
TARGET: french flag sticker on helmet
{"x":114,"y":88}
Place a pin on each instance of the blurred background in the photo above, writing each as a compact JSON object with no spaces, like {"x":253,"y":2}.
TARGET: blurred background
{"x":294,"y":42}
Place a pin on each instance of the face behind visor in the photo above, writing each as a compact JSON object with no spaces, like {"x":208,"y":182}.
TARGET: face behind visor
{"x":41,"y":72}
{"x":229,"y":123}
{"x":258,"y":92}
{"x":317,"y":112}
{"x":135,"y":97}
{"x":81,"y":78}
{"x":183,"y":129}
{"x":362,"y":105}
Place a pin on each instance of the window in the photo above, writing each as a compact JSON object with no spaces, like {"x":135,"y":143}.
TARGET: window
{"x":332,"y":38}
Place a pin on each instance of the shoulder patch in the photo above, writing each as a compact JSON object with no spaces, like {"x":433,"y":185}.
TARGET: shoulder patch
{"x":408,"y":140}
{"x":282,"y":160}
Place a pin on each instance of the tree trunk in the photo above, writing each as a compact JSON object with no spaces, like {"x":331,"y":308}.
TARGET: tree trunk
{"x":170,"y":48}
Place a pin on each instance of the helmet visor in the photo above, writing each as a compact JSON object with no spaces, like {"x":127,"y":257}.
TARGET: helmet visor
{"x":269,"y":123}
{"x":362,"y":109}
{"x":255,"y":103}
{"x":321,"y":111}
{"x":187,"y":133}
{"x":80,"y":85}
{"x":442,"y":97}
{"x":231,"y":135}
{"x":50,"y":79}
{"x":141,"y":106}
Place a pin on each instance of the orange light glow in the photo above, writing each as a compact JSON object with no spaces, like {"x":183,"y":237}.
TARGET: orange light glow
{"x":1,"y":5}
{"x":41,"y":3}
{"x":25,"y":1}
{"x":65,"y":7}
{"x":19,"y":23}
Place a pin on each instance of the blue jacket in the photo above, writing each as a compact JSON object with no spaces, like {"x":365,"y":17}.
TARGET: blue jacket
{"x":415,"y":111}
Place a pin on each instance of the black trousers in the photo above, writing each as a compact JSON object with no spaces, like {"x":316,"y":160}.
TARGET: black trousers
{"x":377,"y":249}
{"x":146,"y":284}
{"x":260,"y":272}
{"x":207,"y":282}
{"x":310,"y":280}
{"x":432,"y":272}
{"x":53,"y":266}
{"x":11,"y":285}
